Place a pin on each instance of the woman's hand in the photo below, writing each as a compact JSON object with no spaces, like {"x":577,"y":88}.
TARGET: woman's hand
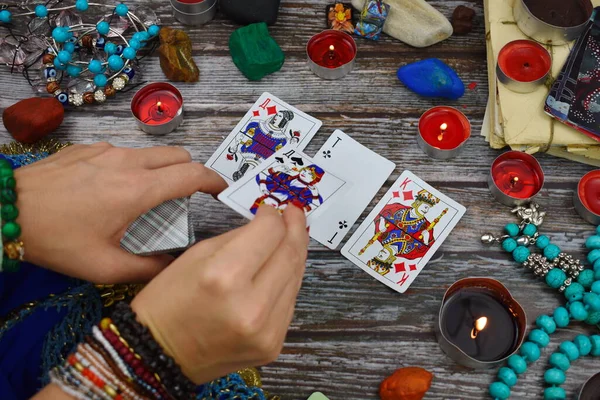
{"x":227,"y":302}
{"x":75,"y":206}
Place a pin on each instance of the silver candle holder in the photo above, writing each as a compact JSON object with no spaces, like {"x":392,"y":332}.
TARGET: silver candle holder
{"x":514,"y":84}
{"x":590,"y":389}
{"x":196,"y":13}
{"x":585,"y":213}
{"x":326,"y":72}
{"x":505,"y":198}
{"x":171,"y":123}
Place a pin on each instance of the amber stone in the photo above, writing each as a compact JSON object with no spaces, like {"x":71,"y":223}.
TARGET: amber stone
{"x":52,"y":87}
{"x":88,"y":97}
{"x":32,"y":119}
{"x":48,"y":58}
{"x":109,"y":91}
{"x":410,"y":383}
{"x":175,"y":53}
{"x":87,"y":41}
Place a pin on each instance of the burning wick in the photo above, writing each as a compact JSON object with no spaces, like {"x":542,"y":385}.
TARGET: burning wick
{"x":479,"y":325}
{"x":331,"y":52}
{"x":443,"y":128}
{"x":514,"y":180}
{"x":159,"y":106}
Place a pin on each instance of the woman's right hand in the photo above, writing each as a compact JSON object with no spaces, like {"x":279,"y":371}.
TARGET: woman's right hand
{"x":227,"y":302}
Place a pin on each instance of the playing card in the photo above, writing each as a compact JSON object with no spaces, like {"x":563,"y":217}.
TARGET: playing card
{"x":288,"y":177}
{"x":403,"y":231}
{"x":164,"y":229}
{"x":268,"y":126}
{"x":368,"y":170}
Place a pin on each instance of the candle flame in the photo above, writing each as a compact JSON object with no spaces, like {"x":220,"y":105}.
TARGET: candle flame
{"x":443,"y":126}
{"x":479,"y":325}
{"x":331,"y":48}
{"x":159,"y":106}
{"x":514,"y":180}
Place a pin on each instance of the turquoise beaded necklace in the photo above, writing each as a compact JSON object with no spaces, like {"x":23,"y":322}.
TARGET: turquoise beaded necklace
{"x":581,"y":288}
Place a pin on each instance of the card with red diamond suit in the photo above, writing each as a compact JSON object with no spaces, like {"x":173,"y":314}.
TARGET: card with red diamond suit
{"x":267,"y":127}
{"x":403,"y":232}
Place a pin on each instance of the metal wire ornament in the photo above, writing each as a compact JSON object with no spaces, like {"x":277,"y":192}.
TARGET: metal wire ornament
{"x":68,"y":47}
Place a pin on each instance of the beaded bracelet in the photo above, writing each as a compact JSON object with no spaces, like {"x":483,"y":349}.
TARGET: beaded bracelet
{"x":14,"y":249}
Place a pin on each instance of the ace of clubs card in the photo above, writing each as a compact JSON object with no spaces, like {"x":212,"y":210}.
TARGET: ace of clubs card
{"x":267,"y":127}
{"x":288,"y":177}
{"x":403,"y":232}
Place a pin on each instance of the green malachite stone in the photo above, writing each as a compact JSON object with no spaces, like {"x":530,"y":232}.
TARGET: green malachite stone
{"x":8,"y":182}
{"x":11,"y":230}
{"x":9,"y":212}
{"x":255,"y":52}
{"x":6,"y":172}
{"x":9,"y":265}
{"x":5,"y":164}
{"x":8,"y":196}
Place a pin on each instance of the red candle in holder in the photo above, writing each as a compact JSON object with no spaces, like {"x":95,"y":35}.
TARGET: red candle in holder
{"x":331,"y":54}
{"x":158,"y":108}
{"x":515,"y":178}
{"x":523,"y":65}
{"x":443,"y":131}
{"x":587,"y":197}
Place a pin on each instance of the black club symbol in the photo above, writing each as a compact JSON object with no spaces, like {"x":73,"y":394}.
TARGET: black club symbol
{"x":327,"y":153}
{"x":343,"y":224}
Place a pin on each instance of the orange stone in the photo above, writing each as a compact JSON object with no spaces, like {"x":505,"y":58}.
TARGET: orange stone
{"x":52,"y":87}
{"x":48,"y":58}
{"x":32,"y":119}
{"x":409,"y":383}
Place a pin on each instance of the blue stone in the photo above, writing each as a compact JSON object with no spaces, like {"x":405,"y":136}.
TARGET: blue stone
{"x":432,"y":78}
{"x":5,"y":16}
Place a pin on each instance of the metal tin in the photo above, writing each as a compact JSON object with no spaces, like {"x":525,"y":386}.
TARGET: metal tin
{"x":581,"y":209}
{"x":331,"y":73}
{"x":519,"y":86}
{"x":591,"y":389}
{"x":453,"y":351}
{"x":442,"y":154}
{"x":168,"y":126}
{"x":194,"y":13}
{"x":502,"y":197}
{"x":542,"y":31}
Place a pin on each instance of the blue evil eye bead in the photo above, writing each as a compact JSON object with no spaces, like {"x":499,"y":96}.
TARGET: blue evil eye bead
{"x":570,"y":350}
{"x":100,"y":42}
{"x":509,"y":245}
{"x":512,"y":230}
{"x":530,"y":352}
{"x":49,"y":72}
{"x":59,"y":65}
{"x":554,"y":393}
{"x":551,"y":252}
{"x":115,"y":62}
{"x":135,"y":44}
{"x":520,"y":254}
{"x":561,"y":317}
{"x":586,"y":278}
{"x":507,"y":376}
{"x":121,"y":10}
{"x":539,"y":337}
{"x":41,"y":11}
{"x":100,"y":80}
{"x":529,"y":230}
{"x":546,"y":323}
{"x":96,"y":67}
{"x":73,"y":70}
{"x":63,"y":97}
{"x":5,"y":16}
{"x":574,"y":292}
{"x":593,"y":256}
{"x":595,"y":339}
{"x":542,"y":242}
{"x":81,"y":5}
{"x":64,"y":56}
{"x":584,"y":345}
{"x":154,"y":30}
{"x":499,"y":391}
{"x":554,"y":376}
{"x":120,"y":49}
{"x":69,"y":47}
{"x":60,"y":34}
{"x":578,"y":311}
{"x":103,"y":27}
{"x":130,"y":72}
{"x":110,"y":48}
{"x":560,"y":361}
{"x":555,"y":278}
{"x":517,"y":364}
{"x":129,"y":53}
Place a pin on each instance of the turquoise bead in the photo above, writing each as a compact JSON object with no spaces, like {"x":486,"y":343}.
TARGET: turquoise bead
{"x":598,"y":229}
{"x":512,"y":230}
{"x":64,"y":56}
{"x":135,"y":44}
{"x":529,"y":230}
{"x":561,"y":317}
{"x":121,"y":10}
{"x":41,"y":11}
{"x":546,"y":324}
{"x":59,"y":65}
{"x":96,"y":67}
{"x":110,"y":48}
{"x":578,"y":311}
{"x":586,"y":278}
{"x":517,"y":364}
{"x":542,"y":242}
{"x":507,"y":376}
{"x":554,"y":393}
{"x":584,"y":345}
{"x":73,"y":70}
{"x":593,"y":242}
{"x":530,"y":351}
{"x":596,"y":287}
{"x":570,"y":350}
{"x":551,"y":252}
{"x":539,"y":337}
{"x":509,"y":245}
{"x":593,"y":318}
{"x":560,"y":361}
{"x":593,"y":256}
{"x":5,"y":16}
{"x":555,"y":278}
{"x":154,"y":30}
{"x":574,"y":292}
{"x":81,"y":5}
{"x":115,"y":62}
{"x":100,"y":80}
{"x":595,"y":339}
{"x":142,"y":36}
{"x":129,"y":53}
{"x":592,"y":301}
{"x":103,"y":27}
{"x":70,"y":47}
{"x":520,"y":254}
{"x":554,"y":376}
{"x":499,"y":391}
{"x":60,"y":34}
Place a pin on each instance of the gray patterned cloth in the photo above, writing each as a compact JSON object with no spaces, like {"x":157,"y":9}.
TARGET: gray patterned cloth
{"x":164,"y":229}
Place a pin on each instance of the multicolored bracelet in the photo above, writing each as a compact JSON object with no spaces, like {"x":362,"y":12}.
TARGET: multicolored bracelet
{"x":14,"y":249}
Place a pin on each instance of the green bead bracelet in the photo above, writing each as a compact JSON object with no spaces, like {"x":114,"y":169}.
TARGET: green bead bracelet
{"x":13,"y":248}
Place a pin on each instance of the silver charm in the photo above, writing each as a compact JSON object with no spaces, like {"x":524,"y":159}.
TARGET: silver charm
{"x":530,"y":214}
{"x":488,"y":238}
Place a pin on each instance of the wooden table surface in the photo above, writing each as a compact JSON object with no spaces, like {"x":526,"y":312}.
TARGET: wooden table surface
{"x":350,"y":331}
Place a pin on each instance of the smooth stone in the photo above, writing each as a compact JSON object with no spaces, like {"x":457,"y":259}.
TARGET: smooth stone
{"x":432,"y":78}
{"x":175,"y":54}
{"x":415,"y":22}
{"x":255,"y":52}
{"x":241,"y":13}
{"x":32,"y":119}
{"x":408,"y":383}
{"x":462,"y":20}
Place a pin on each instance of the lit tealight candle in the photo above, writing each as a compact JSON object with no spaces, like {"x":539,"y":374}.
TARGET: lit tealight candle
{"x":331,"y":54}
{"x":587,"y":197}
{"x":515,"y":178}
{"x":443,"y":132}
{"x":158,"y":108}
